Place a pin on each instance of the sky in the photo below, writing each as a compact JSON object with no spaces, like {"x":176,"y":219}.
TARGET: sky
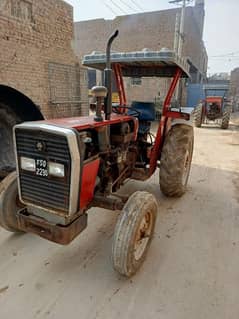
{"x":221,"y":31}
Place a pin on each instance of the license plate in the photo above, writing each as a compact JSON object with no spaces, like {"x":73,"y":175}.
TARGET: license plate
{"x":41,"y":167}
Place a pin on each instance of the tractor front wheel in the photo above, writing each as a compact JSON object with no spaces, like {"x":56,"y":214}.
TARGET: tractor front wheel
{"x":198,"y":116}
{"x":176,"y":160}
{"x":226,"y":118}
{"x":134,"y":232}
{"x":9,"y":203}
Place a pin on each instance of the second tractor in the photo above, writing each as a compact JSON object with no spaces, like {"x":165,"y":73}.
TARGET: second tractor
{"x":215,"y":107}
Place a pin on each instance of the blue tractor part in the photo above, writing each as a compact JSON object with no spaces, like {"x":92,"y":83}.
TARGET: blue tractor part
{"x":146,"y":114}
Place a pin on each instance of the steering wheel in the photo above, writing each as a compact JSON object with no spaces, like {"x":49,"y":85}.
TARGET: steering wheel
{"x":133,"y":112}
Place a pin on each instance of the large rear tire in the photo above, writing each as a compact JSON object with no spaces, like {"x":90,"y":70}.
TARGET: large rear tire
{"x":7,"y":120}
{"x":198,"y":116}
{"x":176,"y":160}
{"x":226,"y":118}
{"x":133,"y":233}
{"x":9,"y":203}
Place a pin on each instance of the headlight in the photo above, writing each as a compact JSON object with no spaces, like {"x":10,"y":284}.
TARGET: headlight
{"x":28,"y":164}
{"x":56,"y":169}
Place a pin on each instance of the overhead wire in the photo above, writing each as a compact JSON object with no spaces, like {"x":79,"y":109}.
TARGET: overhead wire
{"x":117,"y":6}
{"x":137,"y":5}
{"x":127,"y":5}
{"x":231,"y":54}
{"x":224,"y":57}
{"x":110,"y":8}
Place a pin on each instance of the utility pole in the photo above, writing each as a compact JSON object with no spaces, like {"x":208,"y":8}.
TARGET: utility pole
{"x":176,"y":33}
{"x":179,"y":36}
{"x":181,"y":28}
{"x":181,"y":31}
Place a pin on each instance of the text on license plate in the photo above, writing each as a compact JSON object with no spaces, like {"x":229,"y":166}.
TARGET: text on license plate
{"x":41,"y":167}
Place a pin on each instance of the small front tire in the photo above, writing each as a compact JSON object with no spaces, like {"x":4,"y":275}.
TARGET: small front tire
{"x":133,"y":233}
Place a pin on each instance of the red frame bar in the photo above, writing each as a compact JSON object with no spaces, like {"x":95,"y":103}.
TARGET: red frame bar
{"x":171,"y":90}
{"x":155,"y":155}
{"x":120,"y":86}
{"x":166,"y":114}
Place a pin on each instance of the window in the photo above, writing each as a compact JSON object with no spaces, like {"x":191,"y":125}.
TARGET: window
{"x":136,"y":81}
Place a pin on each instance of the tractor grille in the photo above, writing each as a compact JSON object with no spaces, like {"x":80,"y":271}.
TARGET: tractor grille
{"x":49,"y":192}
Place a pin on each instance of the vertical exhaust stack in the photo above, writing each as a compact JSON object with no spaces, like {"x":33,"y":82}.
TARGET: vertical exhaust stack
{"x":108,"y":77}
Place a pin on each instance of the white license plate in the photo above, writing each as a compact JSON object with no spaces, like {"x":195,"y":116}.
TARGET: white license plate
{"x":41,"y":167}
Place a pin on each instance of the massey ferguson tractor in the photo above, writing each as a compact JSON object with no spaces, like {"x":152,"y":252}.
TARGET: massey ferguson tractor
{"x":66,"y":166}
{"x":215,"y":107}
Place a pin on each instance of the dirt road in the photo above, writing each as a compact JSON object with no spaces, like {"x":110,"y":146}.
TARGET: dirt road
{"x":192,"y":269}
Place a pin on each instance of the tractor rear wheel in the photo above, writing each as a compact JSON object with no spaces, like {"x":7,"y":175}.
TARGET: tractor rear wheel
{"x":176,"y":160}
{"x":226,"y":118}
{"x":134,"y":232}
{"x":7,"y":159}
{"x":198,"y":116}
{"x":9,"y":203}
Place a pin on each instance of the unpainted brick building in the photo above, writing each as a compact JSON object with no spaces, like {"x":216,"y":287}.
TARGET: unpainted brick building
{"x":40,"y":76}
{"x":152,"y":30}
{"x":234,"y":88}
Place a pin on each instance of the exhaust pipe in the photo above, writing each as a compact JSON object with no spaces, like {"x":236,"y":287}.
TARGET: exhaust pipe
{"x":108,"y":77}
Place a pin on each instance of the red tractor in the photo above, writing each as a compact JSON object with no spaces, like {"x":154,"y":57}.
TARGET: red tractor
{"x":66,"y":166}
{"x":215,"y":107}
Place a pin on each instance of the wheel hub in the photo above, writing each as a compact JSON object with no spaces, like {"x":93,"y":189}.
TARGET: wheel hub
{"x":143,"y":235}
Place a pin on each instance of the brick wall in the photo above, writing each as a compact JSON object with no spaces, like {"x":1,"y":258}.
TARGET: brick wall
{"x":234,"y":85}
{"x":153,"y":30}
{"x":234,"y":88}
{"x":35,"y":35}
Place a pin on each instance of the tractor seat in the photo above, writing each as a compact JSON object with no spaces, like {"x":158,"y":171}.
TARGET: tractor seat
{"x":146,"y":110}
